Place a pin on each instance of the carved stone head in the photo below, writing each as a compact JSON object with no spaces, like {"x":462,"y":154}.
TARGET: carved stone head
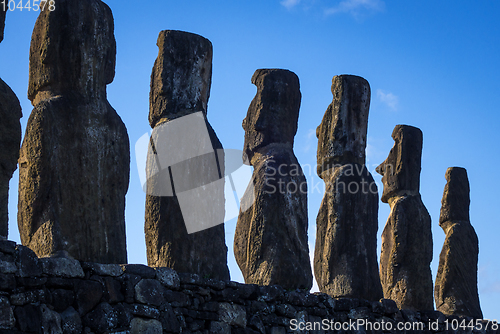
{"x":401,"y":170}
{"x":181,"y":77}
{"x":342,"y":132}
{"x":73,"y":50}
{"x":456,"y":196}
{"x":274,"y":111}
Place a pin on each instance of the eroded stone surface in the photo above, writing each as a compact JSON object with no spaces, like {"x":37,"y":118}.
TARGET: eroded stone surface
{"x":401,"y":170}
{"x":180,"y":86}
{"x":406,"y":254}
{"x":74,"y":161}
{"x":456,"y":196}
{"x":345,"y":259}
{"x":7,"y":319}
{"x":272,"y":117}
{"x":140,"y":326}
{"x":181,"y":77}
{"x":342,"y":132}
{"x":270,"y":243}
{"x":44,"y":302}
{"x":10,"y":140}
{"x":455,"y":290}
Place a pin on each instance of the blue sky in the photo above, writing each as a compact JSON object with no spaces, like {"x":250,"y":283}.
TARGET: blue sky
{"x":430,"y":64}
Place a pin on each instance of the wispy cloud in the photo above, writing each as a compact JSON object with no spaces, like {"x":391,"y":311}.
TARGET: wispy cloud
{"x":488,"y":283}
{"x":357,"y":8}
{"x":389,"y":99}
{"x":289,"y":4}
{"x":310,"y":139}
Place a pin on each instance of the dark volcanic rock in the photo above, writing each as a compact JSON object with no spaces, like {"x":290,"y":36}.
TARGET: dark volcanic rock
{"x":71,"y":321}
{"x":270,"y":243}
{"x":406,"y":254}
{"x":181,"y":77}
{"x":342,"y":132}
{"x":10,"y":139}
{"x":74,"y":161}
{"x":401,"y":170}
{"x":31,"y":312}
{"x":345,"y":259}
{"x":274,"y":111}
{"x":102,"y":318}
{"x":456,"y":198}
{"x":455,"y":290}
{"x":180,"y":86}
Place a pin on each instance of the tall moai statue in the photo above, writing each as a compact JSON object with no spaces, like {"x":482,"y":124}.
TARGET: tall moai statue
{"x":406,"y":254}
{"x":455,"y":290}
{"x":10,"y":140}
{"x":270,"y":242}
{"x":75,"y":157}
{"x":345,"y":258}
{"x":183,"y":144}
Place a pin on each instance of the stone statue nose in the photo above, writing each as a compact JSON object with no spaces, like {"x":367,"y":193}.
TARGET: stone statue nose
{"x":381,"y":169}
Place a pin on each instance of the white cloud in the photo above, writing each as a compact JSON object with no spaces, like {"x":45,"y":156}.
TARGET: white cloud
{"x":289,"y":4}
{"x":389,"y":99}
{"x":487,"y":283}
{"x":310,"y":140}
{"x":356,"y":7}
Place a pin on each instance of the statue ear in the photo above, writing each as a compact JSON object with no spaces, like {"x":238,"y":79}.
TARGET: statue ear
{"x":109,"y":66}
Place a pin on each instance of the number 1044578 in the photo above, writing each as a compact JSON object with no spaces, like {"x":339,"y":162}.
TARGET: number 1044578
{"x":27,"y":5}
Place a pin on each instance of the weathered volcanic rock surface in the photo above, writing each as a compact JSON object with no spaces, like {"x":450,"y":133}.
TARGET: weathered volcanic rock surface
{"x":61,"y":295}
{"x":10,"y":140}
{"x":74,"y":160}
{"x":345,"y":258}
{"x":342,"y":132}
{"x":272,"y":116}
{"x":407,"y":238}
{"x":345,"y":261}
{"x":406,"y":254}
{"x":455,"y":203}
{"x":270,"y":243}
{"x":455,"y":290}
{"x":401,"y":170}
{"x":181,"y":76}
{"x":180,"y":86}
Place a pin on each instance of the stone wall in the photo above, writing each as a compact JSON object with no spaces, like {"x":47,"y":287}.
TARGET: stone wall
{"x":61,"y":295}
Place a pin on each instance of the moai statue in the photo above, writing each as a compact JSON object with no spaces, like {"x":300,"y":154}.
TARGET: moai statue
{"x":270,"y":242}
{"x":455,"y":291}
{"x":406,"y":255}
{"x":10,"y":140}
{"x":184,"y":225}
{"x":345,"y":258}
{"x":75,"y":158}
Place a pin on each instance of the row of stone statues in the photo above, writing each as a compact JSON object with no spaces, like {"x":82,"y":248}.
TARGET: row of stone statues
{"x":74,"y":173}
